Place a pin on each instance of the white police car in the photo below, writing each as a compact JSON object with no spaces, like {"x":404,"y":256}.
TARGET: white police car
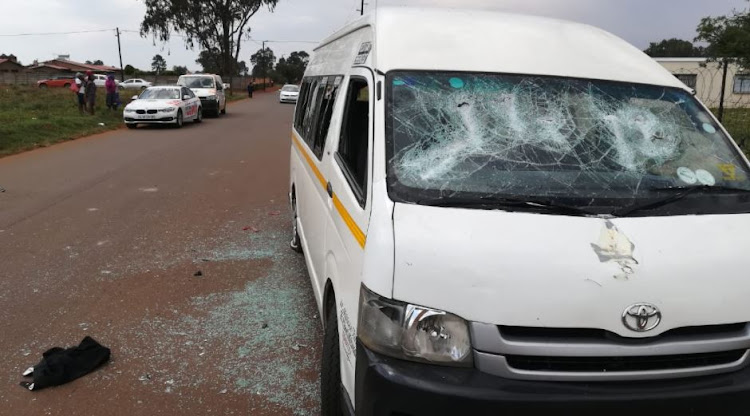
{"x":163,"y":105}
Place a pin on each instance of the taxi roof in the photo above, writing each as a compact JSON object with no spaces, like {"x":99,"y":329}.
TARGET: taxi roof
{"x":424,"y":38}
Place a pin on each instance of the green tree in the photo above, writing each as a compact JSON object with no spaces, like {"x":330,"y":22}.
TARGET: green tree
{"x":263,"y":62}
{"x":292,"y":69}
{"x":674,"y":48}
{"x":210,"y":61}
{"x":728,"y":37}
{"x":179,"y":70}
{"x":158,"y":64}
{"x":242,"y":68}
{"x":130,"y":70}
{"x":96,"y":62}
{"x":213,"y":25}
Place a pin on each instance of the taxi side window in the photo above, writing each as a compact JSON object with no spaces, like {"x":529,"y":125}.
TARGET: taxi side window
{"x":315,"y":110}
{"x":355,"y":138}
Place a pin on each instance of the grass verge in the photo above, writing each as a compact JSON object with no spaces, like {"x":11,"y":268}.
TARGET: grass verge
{"x":31,"y":118}
{"x":737,"y":122}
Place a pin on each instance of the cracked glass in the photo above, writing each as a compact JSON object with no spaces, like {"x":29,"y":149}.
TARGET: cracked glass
{"x":587,"y":142}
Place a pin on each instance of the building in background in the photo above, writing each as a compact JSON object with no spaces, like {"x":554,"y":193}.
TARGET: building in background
{"x":9,"y":63}
{"x":706,"y":79}
{"x":63,"y":66}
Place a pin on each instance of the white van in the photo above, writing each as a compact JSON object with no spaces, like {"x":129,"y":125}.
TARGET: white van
{"x":504,"y":214}
{"x":209,"y":88}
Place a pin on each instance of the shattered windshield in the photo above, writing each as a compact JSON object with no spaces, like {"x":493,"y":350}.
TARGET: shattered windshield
{"x":197,"y":82}
{"x":480,"y":135}
{"x":160,"y":94}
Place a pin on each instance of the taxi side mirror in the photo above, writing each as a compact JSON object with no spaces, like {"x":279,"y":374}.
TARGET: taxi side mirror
{"x":185,"y":97}
{"x":135,"y":97}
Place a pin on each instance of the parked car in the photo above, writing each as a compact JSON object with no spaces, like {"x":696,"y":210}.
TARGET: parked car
{"x":163,"y":105}
{"x":134,"y":83}
{"x":100,"y":79}
{"x":209,"y":88}
{"x":289,"y":93}
{"x":506,"y":214}
{"x":56,"y":82}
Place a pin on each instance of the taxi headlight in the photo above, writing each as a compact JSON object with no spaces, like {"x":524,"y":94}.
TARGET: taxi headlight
{"x":413,"y":332}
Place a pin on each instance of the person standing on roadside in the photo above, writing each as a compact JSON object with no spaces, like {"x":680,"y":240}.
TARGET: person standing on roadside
{"x":111,"y":87}
{"x":250,"y":89}
{"x":81,"y":92}
{"x":90,"y":92}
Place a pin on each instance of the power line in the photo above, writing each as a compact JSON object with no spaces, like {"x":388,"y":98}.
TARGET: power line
{"x":56,"y":33}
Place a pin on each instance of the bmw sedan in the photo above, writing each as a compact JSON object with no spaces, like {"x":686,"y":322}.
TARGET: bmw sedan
{"x":163,"y":105}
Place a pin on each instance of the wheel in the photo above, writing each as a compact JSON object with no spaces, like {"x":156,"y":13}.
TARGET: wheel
{"x":199,"y":116}
{"x":179,"y":121}
{"x":132,"y":126}
{"x":295,"y":243}
{"x":67,"y":85}
{"x":224,"y":110}
{"x":43,"y":86}
{"x":330,"y":368}
{"x":143,"y":87}
{"x":120,"y":87}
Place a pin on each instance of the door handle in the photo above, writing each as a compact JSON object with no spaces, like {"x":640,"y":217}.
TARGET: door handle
{"x":329,"y":189}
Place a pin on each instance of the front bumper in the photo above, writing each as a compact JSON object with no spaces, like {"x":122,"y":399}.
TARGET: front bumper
{"x":388,"y":386}
{"x":161,"y":120}
{"x":210,"y":105}
{"x":284,"y":99}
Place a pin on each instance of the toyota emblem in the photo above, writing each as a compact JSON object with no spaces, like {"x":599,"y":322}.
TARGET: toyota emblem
{"x":641,"y":317}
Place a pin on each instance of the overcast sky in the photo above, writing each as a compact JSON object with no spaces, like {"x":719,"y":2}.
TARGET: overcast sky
{"x":638,"y":21}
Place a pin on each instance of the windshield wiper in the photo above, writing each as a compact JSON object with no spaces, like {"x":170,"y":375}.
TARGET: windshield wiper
{"x":680,"y":193}
{"x":505,"y":202}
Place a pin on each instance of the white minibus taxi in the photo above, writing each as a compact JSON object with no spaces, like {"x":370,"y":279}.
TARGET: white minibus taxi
{"x":505,"y":214}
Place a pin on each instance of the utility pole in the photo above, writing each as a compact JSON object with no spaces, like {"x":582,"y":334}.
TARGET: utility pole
{"x":723,"y":89}
{"x":362,"y":8}
{"x":119,"y":51}
{"x":265,"y":65}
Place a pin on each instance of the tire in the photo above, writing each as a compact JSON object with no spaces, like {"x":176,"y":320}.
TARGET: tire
{"x":199,"y":116}
{"x":67,"y":85}
{"x":120,"y":87}
{"x":330,"y":368}
{"x":132,"y":126}
{"x":143,"y":87}
{"x":43,"y":86}
{"x":179,"y":122}
{"x":224,"y":110}
{"x":295,"y":244}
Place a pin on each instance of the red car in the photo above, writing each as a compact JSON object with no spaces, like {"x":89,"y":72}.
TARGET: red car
{"x":63,"y":81}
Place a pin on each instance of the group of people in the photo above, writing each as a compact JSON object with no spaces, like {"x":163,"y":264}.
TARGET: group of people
{"x":85,"y":88}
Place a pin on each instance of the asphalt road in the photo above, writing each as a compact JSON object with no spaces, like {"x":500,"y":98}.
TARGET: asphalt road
{"x":103,"y":236}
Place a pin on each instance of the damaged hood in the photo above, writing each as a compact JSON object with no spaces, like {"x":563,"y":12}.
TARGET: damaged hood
{"x":534,"y":270}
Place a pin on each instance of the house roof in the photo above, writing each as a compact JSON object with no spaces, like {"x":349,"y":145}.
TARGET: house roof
{"x":51,"y":66}
{"x":78,"y":66}
{"x":2,"y":61}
